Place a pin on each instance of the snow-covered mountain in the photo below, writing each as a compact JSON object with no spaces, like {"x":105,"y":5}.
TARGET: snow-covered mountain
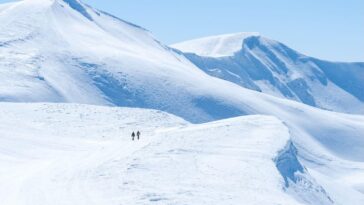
{"x":268,"y":66}
{"x":81,"y":154}
{"x":65,"y":51}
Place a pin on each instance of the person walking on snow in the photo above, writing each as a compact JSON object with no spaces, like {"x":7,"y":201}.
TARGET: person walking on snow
{"x":138,"y":134}
{"x":132,"y":136}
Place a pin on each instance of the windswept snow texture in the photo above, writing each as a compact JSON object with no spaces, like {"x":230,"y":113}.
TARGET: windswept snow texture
{"x":76,"y":5}
{"x":268,"y":66}
{"x":65,"y":51}
{"x":78,"y":154}
{"x":215,"y":46}
{"x":51,"y":52}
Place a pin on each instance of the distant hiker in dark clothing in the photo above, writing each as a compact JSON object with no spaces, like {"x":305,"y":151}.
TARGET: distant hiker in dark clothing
{"x":138,"y":135}
{"x":132,"y":136}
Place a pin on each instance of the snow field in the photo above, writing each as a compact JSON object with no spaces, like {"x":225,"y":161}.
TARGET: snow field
{"x":80,"y":154}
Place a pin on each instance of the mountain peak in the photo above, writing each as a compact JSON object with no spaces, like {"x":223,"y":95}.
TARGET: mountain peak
{"x":216,"y":46}
{"x":77,"y":5}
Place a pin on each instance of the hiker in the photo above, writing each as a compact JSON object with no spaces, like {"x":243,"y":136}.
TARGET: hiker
{"x":132,"y":136}
{"x":138,"y":134}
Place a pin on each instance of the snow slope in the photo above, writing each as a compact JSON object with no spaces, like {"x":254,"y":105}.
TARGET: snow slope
{"x":215,"y":46}
{"x":79,"y":154}
{"x":65,"y":51}
{"x":271,"y":67}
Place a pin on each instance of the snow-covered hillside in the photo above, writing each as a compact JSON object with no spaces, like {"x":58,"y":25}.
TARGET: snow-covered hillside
{"x":79,"y":154}
{"x":271,"y":67}
{"x":66,"y":52}
{"x":82,"y":154}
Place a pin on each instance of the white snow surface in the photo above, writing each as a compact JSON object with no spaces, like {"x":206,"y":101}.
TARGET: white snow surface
{"x":65,"y":51}
{"x":268,"y":66}
{"x":215,"y":46}
{"x":57,"y":54}
{"x":83,"y":154}
{"x":80,"y":154}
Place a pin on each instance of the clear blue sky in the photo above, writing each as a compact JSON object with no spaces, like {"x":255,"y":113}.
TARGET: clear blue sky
{"x":327,"y":29}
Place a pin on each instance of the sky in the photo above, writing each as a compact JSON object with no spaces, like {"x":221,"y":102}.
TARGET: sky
{"x":326,"y":29}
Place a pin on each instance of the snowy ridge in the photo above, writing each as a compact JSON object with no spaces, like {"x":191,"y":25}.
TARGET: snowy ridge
{"x":49,"y":54}
{"x":224,"y":162}
{"x":215,"y":46}
{"x":56,"y":51}
{"x":82,"y":154}
{"x":298,"y":182}
{"x":271,"y":67}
